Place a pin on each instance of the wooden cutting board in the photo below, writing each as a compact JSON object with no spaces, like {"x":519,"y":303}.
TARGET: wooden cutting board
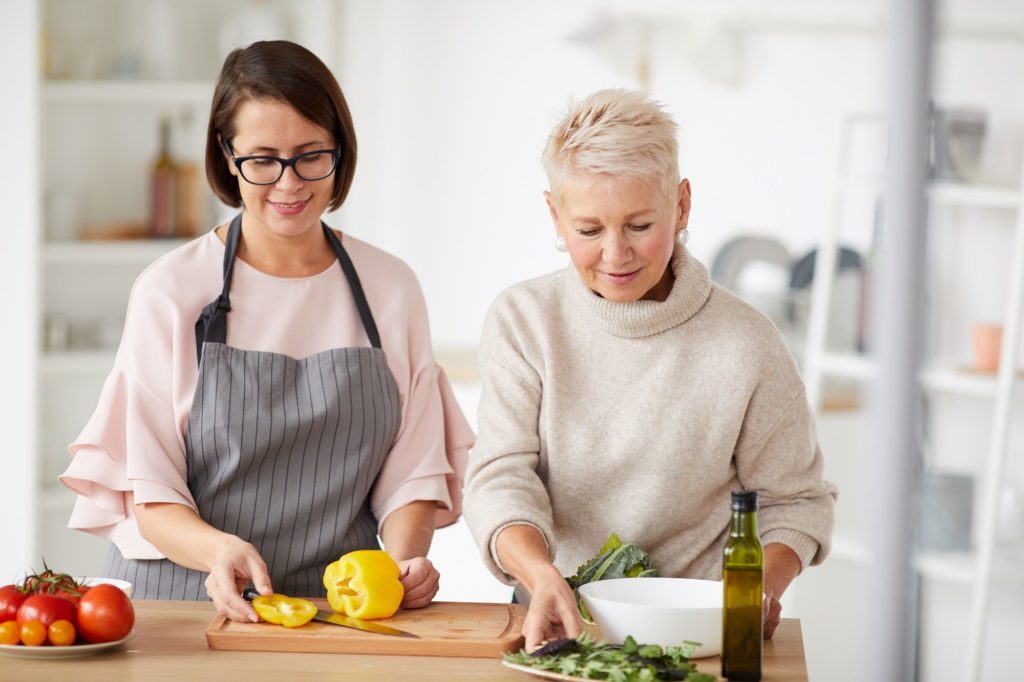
{"x":462,"y":629}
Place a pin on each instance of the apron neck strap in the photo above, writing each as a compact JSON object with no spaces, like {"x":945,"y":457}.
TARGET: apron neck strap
{"x":212,"y":325}
{"x":355,"y":285}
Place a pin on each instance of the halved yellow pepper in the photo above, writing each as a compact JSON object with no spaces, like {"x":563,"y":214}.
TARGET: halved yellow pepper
{"x":364,"y":584}
{"x":290,"y":612}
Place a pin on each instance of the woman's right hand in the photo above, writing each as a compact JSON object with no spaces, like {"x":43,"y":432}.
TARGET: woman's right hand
{"x":552,"y":613}
{"x":523,"y":553}
{"x":236,"y":564}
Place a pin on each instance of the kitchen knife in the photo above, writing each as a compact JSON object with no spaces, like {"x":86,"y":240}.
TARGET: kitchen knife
{"x":327,"y":616}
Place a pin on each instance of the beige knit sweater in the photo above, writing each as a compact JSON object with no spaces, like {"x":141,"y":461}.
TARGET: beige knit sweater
{"x":641,"y":418}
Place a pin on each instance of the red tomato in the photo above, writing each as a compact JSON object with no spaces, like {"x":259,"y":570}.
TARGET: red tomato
{"x":105,"y":614}
{"x":10,"y":600}
{"x":45,"y":608}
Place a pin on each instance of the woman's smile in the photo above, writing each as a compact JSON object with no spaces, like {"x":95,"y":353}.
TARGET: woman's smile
{"x":288,"y":208}
{"x":621,"y":277}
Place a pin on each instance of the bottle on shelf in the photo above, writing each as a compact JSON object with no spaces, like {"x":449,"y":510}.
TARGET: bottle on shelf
{"x":164,"y":193}
{"x":743,"y":588}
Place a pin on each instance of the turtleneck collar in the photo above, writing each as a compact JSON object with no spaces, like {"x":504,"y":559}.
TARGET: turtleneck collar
{"x":638,"y":319}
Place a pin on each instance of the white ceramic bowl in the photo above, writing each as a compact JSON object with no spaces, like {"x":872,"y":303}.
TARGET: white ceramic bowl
{"x":125,"y":586}
{"x":663,"y":611}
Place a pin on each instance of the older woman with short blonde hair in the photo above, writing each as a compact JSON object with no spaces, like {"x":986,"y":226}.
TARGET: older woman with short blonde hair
{"x":627,"y":393}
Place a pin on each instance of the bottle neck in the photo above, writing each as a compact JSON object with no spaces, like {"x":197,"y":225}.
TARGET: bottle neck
{"x":744,"y":523}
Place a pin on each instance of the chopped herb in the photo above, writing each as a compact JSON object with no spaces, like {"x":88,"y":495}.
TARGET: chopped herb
{"x":628,"y":662}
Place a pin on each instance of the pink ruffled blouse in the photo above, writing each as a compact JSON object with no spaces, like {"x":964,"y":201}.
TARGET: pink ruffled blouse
{"x":133,"y":446}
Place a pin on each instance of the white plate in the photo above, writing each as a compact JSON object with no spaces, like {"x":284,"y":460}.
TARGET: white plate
{"x":125,"y":586}
{"x":72,"y":651}
{"x":546,"y":674}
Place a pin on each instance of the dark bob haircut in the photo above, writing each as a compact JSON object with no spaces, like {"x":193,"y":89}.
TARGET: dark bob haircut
{"x":286,"y":72}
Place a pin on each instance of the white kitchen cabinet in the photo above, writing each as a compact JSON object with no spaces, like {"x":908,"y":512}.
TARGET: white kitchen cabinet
{"x":110,"y":71}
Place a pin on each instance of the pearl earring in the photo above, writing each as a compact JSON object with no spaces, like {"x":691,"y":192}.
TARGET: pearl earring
{"x":682,"y":236}
{"x":560,"y":244}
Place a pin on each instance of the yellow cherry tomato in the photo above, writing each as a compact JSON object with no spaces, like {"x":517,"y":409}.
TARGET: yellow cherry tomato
{"x":364,"y":584}
{"x":10,"y":632}
{"x":33,"y":633}
{"x":287,"y":611}
{"x":61,"y":633}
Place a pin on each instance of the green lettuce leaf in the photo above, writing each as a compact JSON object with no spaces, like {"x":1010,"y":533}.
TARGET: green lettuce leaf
{"x":615,"y":560}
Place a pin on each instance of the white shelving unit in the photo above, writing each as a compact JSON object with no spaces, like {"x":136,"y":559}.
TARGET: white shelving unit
{"x":975,"y":569}
{"x":94,"y":118}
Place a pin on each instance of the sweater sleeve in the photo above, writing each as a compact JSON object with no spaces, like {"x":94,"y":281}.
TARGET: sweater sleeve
{"x":503,"y":487}
{"x":778,"y":455}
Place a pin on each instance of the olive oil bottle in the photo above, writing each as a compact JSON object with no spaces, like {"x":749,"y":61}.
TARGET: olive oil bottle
{"x":743,"y":587}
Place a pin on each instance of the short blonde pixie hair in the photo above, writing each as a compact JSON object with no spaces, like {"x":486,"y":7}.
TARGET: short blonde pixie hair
{"x":615,"y":133}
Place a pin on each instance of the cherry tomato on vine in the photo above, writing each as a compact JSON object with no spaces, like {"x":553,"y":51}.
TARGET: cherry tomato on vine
{"x":33,"y":633}
{"x":10,"y":632}
{"x":61,"y":633}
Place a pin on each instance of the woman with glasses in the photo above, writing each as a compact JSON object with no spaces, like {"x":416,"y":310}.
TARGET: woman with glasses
{"x":274,"y":403}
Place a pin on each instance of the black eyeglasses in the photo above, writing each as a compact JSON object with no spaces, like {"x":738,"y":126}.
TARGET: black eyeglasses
{"x":266,"y":170}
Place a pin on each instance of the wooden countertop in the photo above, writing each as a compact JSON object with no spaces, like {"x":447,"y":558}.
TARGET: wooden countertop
{"x":170,"y":644}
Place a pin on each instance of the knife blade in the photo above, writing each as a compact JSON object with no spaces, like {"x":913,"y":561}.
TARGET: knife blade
{"x":325,"y":616}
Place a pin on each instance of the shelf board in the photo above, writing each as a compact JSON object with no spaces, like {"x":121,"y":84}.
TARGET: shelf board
{"x":959,"y":382}
{"x":937,"y":379}
{"x":963,"y":194}
{"x":949,"y":193}
{"x":951,"y":567}
{"x":948,"y":566}
{"x":135,"y":91}
{"x":847,"y":365}
{"x":135,"y":251}
{"x":77,"y":362}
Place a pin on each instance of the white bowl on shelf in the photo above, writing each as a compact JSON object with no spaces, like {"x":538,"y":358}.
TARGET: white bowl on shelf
{"x":665,"y":611}
{"x":124,"y":585}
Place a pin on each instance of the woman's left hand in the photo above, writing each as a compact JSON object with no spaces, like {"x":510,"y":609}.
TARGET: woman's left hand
{"x":772,"y":614}
{"x":420,"y":580}
{"x":781,"y":565}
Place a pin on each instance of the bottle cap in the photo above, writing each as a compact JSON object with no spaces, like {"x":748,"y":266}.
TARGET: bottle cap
{"x":744,"y":500}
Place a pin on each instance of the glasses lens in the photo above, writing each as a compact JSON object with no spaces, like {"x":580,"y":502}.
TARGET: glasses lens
{"x":261,"y":171}
{"x":315,"y":166}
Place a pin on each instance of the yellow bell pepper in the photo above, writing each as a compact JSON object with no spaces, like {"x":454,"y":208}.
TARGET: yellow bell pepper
{"x":290,"y":612}
{"x":364,"y":584}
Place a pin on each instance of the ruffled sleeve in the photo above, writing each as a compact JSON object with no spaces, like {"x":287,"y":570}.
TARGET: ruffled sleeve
{"x":131,"y":450}
{"x":428,"y":458}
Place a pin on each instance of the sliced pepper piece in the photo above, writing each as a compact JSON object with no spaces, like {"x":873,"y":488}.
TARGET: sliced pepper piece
{"x":364,"y":584}
{"x":290,"y":612}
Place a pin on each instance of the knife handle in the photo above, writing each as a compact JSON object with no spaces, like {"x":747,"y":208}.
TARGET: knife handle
{"x":249,"y":593}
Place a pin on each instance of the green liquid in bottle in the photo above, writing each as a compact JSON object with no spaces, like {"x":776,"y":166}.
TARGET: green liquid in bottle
{"x":743,"y":587}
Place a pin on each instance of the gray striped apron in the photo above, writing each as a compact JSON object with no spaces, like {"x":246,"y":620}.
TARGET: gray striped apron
{"x":281,"y":452}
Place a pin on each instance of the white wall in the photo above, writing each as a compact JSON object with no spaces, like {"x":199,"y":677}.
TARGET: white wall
{"x":451,"y":127}
{"x":18,"y":285}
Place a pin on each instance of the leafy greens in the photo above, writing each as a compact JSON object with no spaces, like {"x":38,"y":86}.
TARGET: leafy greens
{"x":615,"y":560}
{"x":628,"y":662}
